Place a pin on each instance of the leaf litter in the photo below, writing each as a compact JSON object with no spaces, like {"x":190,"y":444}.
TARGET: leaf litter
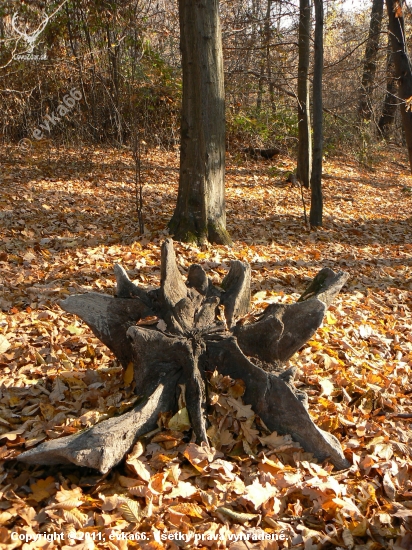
{"x":65,"y":221}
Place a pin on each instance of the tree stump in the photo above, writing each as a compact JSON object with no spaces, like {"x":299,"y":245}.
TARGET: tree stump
{"x":190,"y":339}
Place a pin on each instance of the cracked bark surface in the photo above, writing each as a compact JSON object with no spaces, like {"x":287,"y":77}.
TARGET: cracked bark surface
{"x":194,"y":341}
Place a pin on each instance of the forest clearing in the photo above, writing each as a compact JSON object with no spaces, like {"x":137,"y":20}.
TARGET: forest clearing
{"x":68,"y":216}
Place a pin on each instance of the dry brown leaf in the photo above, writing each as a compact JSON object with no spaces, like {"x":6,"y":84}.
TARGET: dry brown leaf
{"x":389,"y":487}
{"x":258,"y":494}
{"x":75,"y":517}
{"x":199,"y":455}
{"x":4,"y":344}
{"x":85,"y":545}
{"x":184,"y":489}
{"x":250,"y":433}
{"x":327,"y":387}
{"x":67,"y":499}
{"x":158,"y":483}
{"x":128,"y":375}
{"x":188,"y":509}
{"x":130,"y":510}
{"x":180,"y":421}
{"x":242,"y":410}
{"x":43,"y":488}
{"x":279,"y":442}
{"x":147,"y":321}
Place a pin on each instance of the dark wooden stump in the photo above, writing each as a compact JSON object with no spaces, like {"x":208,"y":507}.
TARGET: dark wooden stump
{"x":190,"y":341}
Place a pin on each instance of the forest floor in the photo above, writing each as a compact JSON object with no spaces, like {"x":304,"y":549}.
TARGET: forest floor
{"x":66,"y":217}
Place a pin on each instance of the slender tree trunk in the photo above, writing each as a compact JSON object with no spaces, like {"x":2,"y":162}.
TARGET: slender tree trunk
{"x":316,"y":204}
{"x":268,"y":60}
{"x":305,"y":139}
{"x":200,"y":211}
{"x":370,"y":61}
{"x":113,"y":51}
{"x":70,"y":17}
{"x":402,"y":66}
{"x":260,"y":86}
{"x":93,"y":91}
{"x":390,"y":103}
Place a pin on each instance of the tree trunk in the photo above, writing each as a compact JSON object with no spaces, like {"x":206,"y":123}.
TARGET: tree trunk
{"x":267,"y":34}
{"x":113,"y":51}
{"x":402,"y":67}
{"x":390,"y":102}
{"x":190,"y":339}
{"x":260,"y":86}
{"x":316,"y":204}
{"x":304,"y":165}
{"x":370,"y":61}
{"x":199,"y":215}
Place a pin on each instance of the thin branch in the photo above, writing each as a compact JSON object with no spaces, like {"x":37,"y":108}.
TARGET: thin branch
{"x":352,"y":51}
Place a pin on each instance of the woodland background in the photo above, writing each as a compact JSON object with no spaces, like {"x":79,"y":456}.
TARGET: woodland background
{"x":124,"y":57}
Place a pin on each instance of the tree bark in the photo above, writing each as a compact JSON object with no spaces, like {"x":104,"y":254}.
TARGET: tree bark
{"x":316,"y":204}
{"x":199,"y":215}
{"x":191,"y":340}
{"x":390,"y":103}
{"x":304,"y":164}
{"x":370,"y":61}
{"x":402,"y":66}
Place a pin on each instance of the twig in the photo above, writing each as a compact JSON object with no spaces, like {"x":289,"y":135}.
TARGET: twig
{"x":294,"y":180}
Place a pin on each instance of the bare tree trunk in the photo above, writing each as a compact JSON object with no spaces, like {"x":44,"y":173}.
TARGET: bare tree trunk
{"x":113,"y":51}
{"x":316,"y":204}
{"x":390,"y":103}
{"x":200,"y":211}
{"x":260,"y":86}
{"x":402,"y":66}
{"x":369,"y":65}
{"x":305,"y":139}
{"x":268,"y":60}
{"x":93,"y":92}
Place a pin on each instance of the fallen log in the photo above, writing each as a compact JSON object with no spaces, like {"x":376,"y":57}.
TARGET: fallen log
{"x":256,"y":153}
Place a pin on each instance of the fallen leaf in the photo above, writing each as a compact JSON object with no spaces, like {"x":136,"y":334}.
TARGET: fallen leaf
{"x":258,"y":494}
{"x":241,"y":517}
{"x":180,"y":421}
{"x":4,"y":344}
{"x":188,"y":509}
{"x":128,"y":375}
{"x":327,"y":387}
{"x":147,"y":321}
{"x":43,"y":488}
{"x":130,"y":510}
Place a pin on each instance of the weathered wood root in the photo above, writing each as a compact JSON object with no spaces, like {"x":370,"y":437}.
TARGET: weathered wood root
{"x":104,"y":445}
{"x":109,"y":318}
{"x":284,"y":329}
{"x":153,"y":350}
{"x":275,"y":402}
{"x":190,"y":341}
{"x":236,"y":298}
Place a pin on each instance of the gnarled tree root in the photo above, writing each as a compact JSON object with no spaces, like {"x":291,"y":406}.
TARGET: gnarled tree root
{"x":196,"y":340}
{"x":104,"y":445}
